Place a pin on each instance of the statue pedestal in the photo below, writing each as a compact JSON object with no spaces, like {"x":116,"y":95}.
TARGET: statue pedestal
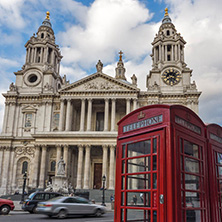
{"x":58,"y":182}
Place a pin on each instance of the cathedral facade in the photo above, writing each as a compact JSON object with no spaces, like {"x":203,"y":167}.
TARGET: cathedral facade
{"x":47,"y":117}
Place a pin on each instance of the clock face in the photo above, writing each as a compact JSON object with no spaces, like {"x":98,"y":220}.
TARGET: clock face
{"x":171,"y":77}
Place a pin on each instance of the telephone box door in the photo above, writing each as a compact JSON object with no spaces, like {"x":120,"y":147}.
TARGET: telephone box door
{"x":140,"y":178}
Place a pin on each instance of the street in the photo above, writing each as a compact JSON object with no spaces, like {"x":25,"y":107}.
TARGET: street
{"x":20,"y":216}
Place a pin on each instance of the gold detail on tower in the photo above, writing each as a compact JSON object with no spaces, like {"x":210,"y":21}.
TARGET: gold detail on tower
{"x":166,"y":12}
{"x":47,"y":15}
{"x":120,"y":55}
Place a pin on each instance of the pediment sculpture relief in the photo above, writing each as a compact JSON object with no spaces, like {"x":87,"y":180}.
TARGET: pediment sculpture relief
{"x":101,"y":85}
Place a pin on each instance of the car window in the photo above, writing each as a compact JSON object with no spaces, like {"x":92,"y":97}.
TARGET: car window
{"x":52,"y":195}
{"x":69,"y":200}
{"x":31,"y":195}
{"x":39,"y":196}
{"x":47,"y":196}
{"x":81,"y":200}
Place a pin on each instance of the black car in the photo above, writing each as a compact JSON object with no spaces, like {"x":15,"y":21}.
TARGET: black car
{"x":30,"y":204}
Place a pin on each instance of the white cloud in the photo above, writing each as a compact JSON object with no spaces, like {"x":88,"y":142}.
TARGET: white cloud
{"x":10,"y":11}
{"x":110,"y":25}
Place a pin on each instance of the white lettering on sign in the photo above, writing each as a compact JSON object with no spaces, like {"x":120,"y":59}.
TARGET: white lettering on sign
{"x":216,"y":138}
{"x":143,"y":123}
{"x":187,"y":125}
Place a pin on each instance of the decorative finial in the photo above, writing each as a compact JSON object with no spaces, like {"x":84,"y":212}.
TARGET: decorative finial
{"x":120,"y":55}
{"x":47,"y":15}
{"x":166,"y":12}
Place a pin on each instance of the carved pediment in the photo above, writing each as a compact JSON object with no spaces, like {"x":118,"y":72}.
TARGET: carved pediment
{"x":99,"y":82}
{"x":29,"y":108}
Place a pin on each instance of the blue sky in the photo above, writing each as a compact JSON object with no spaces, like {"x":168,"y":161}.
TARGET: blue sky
{"x":87,"y":31}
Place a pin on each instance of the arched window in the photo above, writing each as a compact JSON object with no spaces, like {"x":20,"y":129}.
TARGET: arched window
{"x":24,"y":167}
{"x":53,"y":165}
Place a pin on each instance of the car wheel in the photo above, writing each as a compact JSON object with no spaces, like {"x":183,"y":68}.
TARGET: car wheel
{"x":5,"y":209}
{"x":98,"y":213}
{"x":34,"y":210}
{"x":62,"y":214}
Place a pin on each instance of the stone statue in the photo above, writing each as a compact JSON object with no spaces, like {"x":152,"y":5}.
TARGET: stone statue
{"x":49,"y":187}
{"x":134,"y":80}
{"x":61,"y":167}
{"x":99,"y":66}
{"x":12,"y":87}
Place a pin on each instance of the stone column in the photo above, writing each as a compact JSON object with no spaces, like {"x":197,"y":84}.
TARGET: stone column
{"x":172,"y":53}
{"x":82,"y":118}
{"x":43,"y":167}
{"x":87,"y":167}
{"x":14,"y":175}
{"x":134,"y":104}
{"x":176,"y":53}
{"x":89,"y":114}
{"x":165,"y":52}
{"x":105,"y":160}
{"x":68,"y":115}
{"x":154,"y":55}
{"x":4,"y":127}
{"x":106,"y":117}
{"x":36,"y":167}
{"x":179,"y":52}
{"x":127,"y":105}
{"x":5,"y":170}
{"x":111,"y":167}
{"x":160,"y":53}
{"x":1,"y":162}
{"x":61,"y":116}
{"x":11,"y":172}
{"x":58,"y":156}
{"x":66,"y":157}
{"x":79,"y":169}
{"x":113,"y":115}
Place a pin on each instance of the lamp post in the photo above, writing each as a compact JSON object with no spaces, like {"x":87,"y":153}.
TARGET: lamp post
{"x":23,"y":188}
{"x":103,"y":197}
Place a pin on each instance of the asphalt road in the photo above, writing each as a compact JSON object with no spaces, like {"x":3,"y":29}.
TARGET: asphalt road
{"x":20,"y":216}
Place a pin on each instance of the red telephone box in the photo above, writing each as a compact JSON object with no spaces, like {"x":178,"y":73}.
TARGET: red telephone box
{"x":161,"y":173}
{"x":214,"y":135}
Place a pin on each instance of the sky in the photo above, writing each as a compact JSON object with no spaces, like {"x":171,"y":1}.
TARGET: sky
{"x":88,"y":31}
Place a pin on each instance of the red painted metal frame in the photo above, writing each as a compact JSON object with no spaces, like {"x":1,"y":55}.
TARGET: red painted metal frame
{"x":178,"y":122}
{"x":213,"y":148}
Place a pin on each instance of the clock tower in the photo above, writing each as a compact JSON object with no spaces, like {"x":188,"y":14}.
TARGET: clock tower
{"x":169,"y":81}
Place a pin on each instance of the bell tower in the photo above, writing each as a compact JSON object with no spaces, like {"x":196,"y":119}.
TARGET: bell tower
{"x":170,"y":78}
{"x":40,"y":73}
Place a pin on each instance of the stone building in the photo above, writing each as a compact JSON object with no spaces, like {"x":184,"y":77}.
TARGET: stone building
{"x":47,"y":117}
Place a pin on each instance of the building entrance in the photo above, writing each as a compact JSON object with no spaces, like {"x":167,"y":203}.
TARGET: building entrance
{"x":97,"y":176}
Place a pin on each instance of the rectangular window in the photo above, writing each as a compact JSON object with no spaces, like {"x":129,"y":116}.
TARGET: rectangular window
{"x":56,"y":121}
{"x":99,"y":121}
{"x":28,"y":119}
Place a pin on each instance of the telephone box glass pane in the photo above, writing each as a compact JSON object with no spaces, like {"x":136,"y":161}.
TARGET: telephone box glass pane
{"x":191,"y":165}
{"x":137,"y":215}
{"x":192,"y":182}
{"x":139,"y":148}
{"x":220,"y":185}
{"x":154,"y":181}
{"x":138,"y":165}
{"x":141,"y":199}
{"x":193,"y":215}
{"x":219,"y":158}
{"x":219,"y":171}
{"x":192,"y":199}
{"x":191,"y":149}
{"x":138,"y":182}
{"x":154,"y":145}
